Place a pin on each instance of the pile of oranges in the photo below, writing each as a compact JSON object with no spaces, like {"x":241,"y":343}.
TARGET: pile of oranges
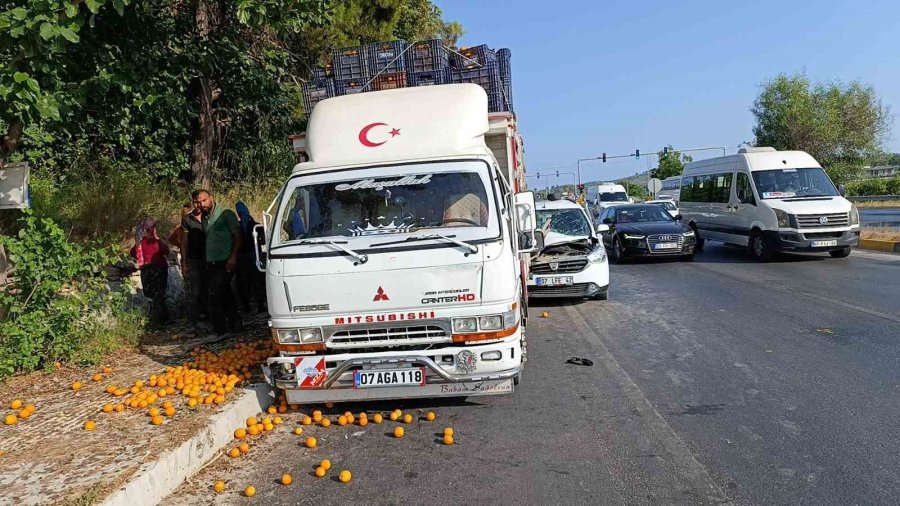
{"x":19,"y":413}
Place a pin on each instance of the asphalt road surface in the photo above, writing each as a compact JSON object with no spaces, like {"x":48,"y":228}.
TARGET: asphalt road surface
{"x":714,"y":382}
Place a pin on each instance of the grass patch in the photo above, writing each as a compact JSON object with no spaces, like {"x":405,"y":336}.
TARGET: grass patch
{"x":880,"y":233}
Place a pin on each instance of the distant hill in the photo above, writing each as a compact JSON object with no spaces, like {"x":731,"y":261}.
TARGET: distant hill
{"x":637,"y":179}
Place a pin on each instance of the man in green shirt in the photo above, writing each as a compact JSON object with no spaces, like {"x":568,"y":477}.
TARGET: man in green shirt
{"x":223,"y":242}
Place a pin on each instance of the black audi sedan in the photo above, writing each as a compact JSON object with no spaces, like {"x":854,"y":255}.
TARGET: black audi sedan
{"x":645,"y":230}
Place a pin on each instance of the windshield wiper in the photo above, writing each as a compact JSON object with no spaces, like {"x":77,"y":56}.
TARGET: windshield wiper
{"x":361,"y":258}
{"x":471,"y":247}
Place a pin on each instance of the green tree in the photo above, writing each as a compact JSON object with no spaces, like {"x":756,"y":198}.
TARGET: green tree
{"x":671,"y":163}
{"x":838,"y":124}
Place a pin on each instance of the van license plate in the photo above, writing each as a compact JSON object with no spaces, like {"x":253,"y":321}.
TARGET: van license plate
{"x":822,"y":244}
{"x":555,"y":281}
{"x":389,"y":377}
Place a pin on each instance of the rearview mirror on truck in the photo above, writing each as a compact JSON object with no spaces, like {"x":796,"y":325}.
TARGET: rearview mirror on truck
{"x":259,"y":246}
{"x":526,"y":221}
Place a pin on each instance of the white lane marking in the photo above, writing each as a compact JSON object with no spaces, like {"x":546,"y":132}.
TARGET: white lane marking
{"x":695,"y":473}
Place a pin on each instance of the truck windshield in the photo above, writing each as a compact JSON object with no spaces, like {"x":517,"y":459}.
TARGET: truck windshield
{"x":563,"y":221}
{"x":787,"y":183}
{"x":374,"y":206}
{"x":614,"y":197}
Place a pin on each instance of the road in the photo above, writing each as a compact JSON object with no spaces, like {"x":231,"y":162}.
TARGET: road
{"x":714,"y":382}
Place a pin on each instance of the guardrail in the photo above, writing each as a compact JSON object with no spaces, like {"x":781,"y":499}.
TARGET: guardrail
{"x":872,"y":198}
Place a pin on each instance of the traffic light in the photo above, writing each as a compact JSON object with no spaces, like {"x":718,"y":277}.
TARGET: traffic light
{"x":665,"y":150}
{"x":557,"y":173}
{"x":581,"y":187}
{"x":604,"y":157}
{"x":637,"y":154}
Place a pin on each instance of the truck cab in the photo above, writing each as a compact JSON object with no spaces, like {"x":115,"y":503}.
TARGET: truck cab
{"x":395,"y":254}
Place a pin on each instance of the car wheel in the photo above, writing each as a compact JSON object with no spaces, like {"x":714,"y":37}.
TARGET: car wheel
{"x":840,"y":253}
{"x":603,"y":295}
{"x":699,"y":242}
{"x":687,"y":258}
{"x":617,"y":255}
{"x":759,"y":248}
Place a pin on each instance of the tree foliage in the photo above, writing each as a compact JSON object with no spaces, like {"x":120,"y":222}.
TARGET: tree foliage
{"x":671,"y":163}
{"x":838,"y":124}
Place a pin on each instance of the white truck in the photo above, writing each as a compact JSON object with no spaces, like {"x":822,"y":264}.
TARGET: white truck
{"x":396,"y":256}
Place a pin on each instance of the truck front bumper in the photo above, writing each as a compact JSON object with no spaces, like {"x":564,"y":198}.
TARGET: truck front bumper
{"x":446,"y":373}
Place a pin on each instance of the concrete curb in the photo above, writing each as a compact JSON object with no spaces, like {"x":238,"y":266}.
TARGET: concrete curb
{"x":155,"y":480}
{"x":875,"y":244}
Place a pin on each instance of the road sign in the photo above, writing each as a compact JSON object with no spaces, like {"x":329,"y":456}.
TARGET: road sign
{"x":654,"y":185}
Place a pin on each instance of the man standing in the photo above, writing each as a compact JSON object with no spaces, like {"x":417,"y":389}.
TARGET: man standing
{"x":223,"y":244}
{"x":193,"y":261}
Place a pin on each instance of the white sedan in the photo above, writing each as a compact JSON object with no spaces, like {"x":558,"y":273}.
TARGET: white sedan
{"x":668,"y":205}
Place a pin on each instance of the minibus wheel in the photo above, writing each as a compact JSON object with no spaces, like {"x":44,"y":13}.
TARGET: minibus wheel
{"x":840,"y":253}
{"x":759,"y":248}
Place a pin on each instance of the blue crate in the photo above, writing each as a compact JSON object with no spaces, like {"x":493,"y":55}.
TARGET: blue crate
{"x":351,"y":86}
{"x":316,"y":91}
{"x":472,"y":57}
{"x":504,"y":56}
{"x":323,"y":72}
{"x":351,"y":63}
{"x":427,"y":56}
{"x":428,"y":78}
{"x":387,"y":56}
{"x":488,"y":77}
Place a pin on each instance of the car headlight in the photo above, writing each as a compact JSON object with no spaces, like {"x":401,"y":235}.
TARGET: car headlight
{"x":597,"y":256}
{"x":465,"y":325}
{"x":689,"y":233}
{"x":297,"y":336}
{"x":784,"y":219}
{"x":490,"y":322}
{"x":854,"y":215}
{"x":634,"y":237}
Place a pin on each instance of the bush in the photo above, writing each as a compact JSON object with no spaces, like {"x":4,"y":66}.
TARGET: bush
{"x":58,"y":306}
{"x":874,"y":186}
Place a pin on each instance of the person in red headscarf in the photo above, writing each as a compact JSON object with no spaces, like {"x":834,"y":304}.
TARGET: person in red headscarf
{"x":150,"y":253}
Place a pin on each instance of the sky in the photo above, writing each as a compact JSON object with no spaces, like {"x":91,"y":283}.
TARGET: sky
{"x":594,"y":76}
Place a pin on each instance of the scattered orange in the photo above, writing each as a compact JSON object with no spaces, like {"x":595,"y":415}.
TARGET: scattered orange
{"x":306,"y":420}
{"x":283,"y":408}
{"x":320,"y":472}
{"x":107,"y":408}
{"x":154,"y":412}
{"x":345,"y":476}
{"x":251,"y":421}
{"x":317,"y":413}
{"x":430,"y":416}
{"x":156,"y":420}
{"x":545,"y":314}
{"x":97,"y":377}
{"x":326,"y":422}
{"x":317,"y":417}
{"x":234,"y":452}
{"x":16,"y":404}
{"x":170,"y":412}
{"x":286,"y":479}
{"x":76,"y":386}
{"x":448,"y":439}
{"x":398,"y":432}
{"x":377,"y":418}
{"x":268,"y":427}
{"x":277,"y":420}
{"x":325,"y":464}
{"x":244,"y":448}
{"x":342,"y":420}
{"x":363,"y":422}
{"x":272,"y":410}
{"x":119,"y":408}
{"x":107,"y":370}
{"x":266,"y":421}
{"x":448,"y":431}
{"x":24,"y":414}
{"x":240,"y":434}
{"x":394,"y":416}
{"x":351,"y":419}
{"x":192,"y":403}
{"x":298,"y":431}
{"x":254,"y":430}
{"x":219,"y":486}
{"x":10,"y":420}
{"x":250,"y":491}
{"x":311,"y":442}
{"x":90,"y":425}
{"x":167,"y":405}
{"x":407,"y":418}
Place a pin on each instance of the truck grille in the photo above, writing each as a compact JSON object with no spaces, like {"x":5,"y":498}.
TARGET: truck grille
{"x":562,"y":266}
{"x":816,"y":220}
{"x":389,"y":336}
{"x":655,"y":239}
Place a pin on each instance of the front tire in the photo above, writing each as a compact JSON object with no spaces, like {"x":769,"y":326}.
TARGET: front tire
{"x":840,"y":253}
{"x":699,"y":242}
{"x":759,"y":248}
{"x":617,"y":255}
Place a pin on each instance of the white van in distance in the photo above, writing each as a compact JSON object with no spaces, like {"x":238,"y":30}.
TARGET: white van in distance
{"x":605,"y":195}
{"x":769,"y":201}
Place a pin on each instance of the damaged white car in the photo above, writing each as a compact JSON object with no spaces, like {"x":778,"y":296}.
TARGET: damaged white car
{"x":573,"y":261}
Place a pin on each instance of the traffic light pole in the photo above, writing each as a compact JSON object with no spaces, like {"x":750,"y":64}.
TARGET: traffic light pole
{"x":637,"y":154}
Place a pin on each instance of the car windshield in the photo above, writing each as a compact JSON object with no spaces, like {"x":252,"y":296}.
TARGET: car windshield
{"x":614,"y":197}
{"x":642,"y":214}
{"x":400,"y":203}
{"x":787,"y":183}
{"x":563,"y":221}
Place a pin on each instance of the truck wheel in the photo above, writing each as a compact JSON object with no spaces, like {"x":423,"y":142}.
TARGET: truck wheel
{"x":517,"y":378}
{"x":759,"y":247}
{"x":840,"y":253}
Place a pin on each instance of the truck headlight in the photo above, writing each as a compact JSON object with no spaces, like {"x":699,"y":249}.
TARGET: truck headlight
{"x":854,"y":215}
{"x":510,"y":318}
{"x":784,"y":219}
{"x":465,"y":325}
{"x":597,"y":256}
{"x":298,"y":336}
{"x":490,"y":322}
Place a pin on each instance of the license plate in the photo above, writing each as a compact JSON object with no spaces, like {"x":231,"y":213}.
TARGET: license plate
{"x":389,"y":377}
{"x":555,"y":281}
{"x":821,"y":244}
{"x":665,"y":245}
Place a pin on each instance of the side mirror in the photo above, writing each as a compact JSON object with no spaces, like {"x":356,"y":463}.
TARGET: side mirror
{"x":538,"y":240}
{"x":526,"y":221}
{"x":842,"y":189}
{"x":259,"y":246}
{"x":678,"y":217}
{"x":607,"y":221}
{"x":602,"y":228}
{"x":631,"y":200}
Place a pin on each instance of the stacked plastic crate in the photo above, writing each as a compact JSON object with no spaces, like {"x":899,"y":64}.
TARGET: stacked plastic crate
{"x":398,"y":64}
